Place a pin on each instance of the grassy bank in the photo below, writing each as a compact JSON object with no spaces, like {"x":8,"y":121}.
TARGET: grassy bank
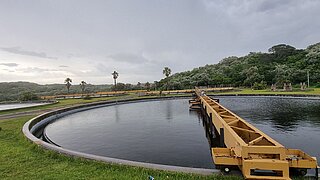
{"x":20,"y":159}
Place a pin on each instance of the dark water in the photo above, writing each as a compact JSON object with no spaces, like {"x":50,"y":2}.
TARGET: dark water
{"x":166,"y":132}
{"x":163,"y":132}
{"x":294,"y":122}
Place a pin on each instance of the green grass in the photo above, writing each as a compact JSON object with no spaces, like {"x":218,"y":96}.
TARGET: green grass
{"x":21,"y":159}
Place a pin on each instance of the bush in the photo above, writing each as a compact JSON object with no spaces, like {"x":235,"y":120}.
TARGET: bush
{"x":87,"y":97}
{"x":317,"y":85}
{"x":28,"y":96}
{"x":259,"y":86}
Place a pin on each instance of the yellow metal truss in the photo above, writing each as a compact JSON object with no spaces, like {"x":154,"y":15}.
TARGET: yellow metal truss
{"x":249,"y":148}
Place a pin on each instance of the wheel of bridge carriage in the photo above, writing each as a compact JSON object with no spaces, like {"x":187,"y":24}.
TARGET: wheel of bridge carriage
{"x":302,"y":172}
{"x":298,"y":172}
{"x":225,"y":169}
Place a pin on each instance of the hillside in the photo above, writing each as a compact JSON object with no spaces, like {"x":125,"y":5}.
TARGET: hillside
{"x":10,"y":91}
{"x":282,"y":63}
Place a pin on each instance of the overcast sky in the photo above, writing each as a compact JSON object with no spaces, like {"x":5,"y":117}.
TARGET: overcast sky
{"x":45,"y":41}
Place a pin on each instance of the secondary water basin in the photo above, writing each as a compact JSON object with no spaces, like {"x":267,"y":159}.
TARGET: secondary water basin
{"x":19,"y":105}
{"x":166,"y":132}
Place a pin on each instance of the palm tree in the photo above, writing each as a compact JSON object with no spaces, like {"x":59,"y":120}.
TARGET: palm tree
{"x":155,"y":85}
{"x":139,"y":85}
{"x":83,"y":86}
{"x":68,"y":82}
{"x":147,"y":85}
{"x":115,"y":75}
{"x":167,"y":71}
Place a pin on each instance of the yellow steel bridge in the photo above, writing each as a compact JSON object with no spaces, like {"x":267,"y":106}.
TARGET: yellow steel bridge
{"x":256,"y":154}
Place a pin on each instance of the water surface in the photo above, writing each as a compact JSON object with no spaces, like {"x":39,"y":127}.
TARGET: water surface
{"x":163,"y":132}
{"x":18,"y":105}
{"x":166,"y":132}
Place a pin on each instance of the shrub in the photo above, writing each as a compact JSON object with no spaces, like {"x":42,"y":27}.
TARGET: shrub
{"x":317,"y":85}
{"x":259,"y":86}
{"x":28,"y":96}
{"x":87,"y":97}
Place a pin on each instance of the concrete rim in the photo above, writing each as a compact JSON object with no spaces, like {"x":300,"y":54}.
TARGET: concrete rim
{"x":42,"y":120}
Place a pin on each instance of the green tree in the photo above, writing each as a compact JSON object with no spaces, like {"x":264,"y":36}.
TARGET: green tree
{"x":115,"y":75}
{"x":155,"y":84}
{"x":282,"y":74}
{"x":282,"y":50}
{"x":28,"y":96}
{"x":201,"y":79}
{"x":83,"y":86}
{"x":167,"y":71}
{"x":121,"y":87}
{"x":68,"y":82}
{"x":147,"y":85}
{"x":139,"y":85}
{"x":252,"y":75}
{"x":283,"y":63}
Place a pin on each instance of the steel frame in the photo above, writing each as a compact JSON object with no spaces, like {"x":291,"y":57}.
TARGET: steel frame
{"x":249,"y":148}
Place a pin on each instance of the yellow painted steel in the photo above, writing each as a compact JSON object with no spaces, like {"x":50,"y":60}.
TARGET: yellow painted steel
{"x":249,"y":148}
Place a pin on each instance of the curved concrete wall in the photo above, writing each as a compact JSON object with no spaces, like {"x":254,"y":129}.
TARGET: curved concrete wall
{"x":42,"y":120}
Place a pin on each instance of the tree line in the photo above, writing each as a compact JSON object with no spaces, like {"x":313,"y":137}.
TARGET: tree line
{"x":122,"y":86}
{"x":281,"y":64}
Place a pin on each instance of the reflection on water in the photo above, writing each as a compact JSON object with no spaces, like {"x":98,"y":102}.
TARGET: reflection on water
{"x":116,"y":111}
{"x":284,"y":114}
{"x":166,"y":132}
{"x":169,"y":110}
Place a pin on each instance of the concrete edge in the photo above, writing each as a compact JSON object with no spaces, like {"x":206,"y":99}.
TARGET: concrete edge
{"x":29,"y":128}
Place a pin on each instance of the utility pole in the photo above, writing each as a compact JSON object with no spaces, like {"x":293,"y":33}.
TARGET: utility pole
{"x":308,"y":78}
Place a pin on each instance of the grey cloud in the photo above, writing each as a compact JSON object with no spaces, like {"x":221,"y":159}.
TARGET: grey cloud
{"x":103,"y":69}
{"x":10,"y":64}
{"x":129,"y":58}
{"x":18,"y":50}
{"x":248,"y":7}
{"x":37,"y":69}
{"x":269,"y":5}
{"x":63,"y":66}
{"x":103,"y":36}
{"x":8,"y":70}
